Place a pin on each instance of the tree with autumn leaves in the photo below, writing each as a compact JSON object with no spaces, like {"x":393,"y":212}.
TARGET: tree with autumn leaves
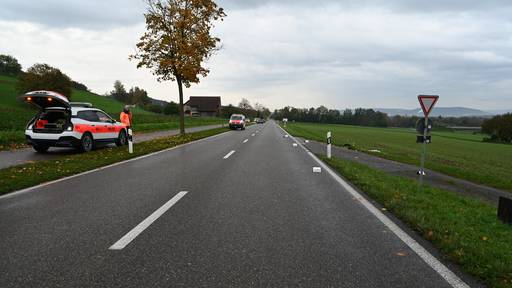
{"x":178,"y":41}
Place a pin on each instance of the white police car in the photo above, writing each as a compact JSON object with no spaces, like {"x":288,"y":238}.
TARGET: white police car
{"x":61,"y":123}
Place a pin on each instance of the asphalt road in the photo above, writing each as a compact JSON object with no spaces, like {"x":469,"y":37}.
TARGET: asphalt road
{"x":202,"y":215}
{"x":25,"y":155}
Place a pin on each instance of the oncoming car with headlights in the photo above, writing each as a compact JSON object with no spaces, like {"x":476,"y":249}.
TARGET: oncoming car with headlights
{"x":237,"y":121}
{"x":60,"y":123}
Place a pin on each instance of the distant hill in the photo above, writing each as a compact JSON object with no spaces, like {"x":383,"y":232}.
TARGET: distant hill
{"x":439,"y":111}
{"x":499,"y":111}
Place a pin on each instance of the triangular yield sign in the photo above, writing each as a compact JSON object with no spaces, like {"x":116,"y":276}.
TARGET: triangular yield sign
{"x":427,"y":102}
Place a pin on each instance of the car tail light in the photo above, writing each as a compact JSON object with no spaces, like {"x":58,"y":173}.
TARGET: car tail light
{"x":30,"y":124}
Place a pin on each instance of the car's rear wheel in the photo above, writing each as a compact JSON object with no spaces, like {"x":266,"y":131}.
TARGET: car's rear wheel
{"x":86,"y":143}
{"x":121,"y":139}
{"x":41,"y":148}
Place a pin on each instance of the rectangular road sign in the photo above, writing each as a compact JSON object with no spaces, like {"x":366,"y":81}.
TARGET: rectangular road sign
{"x":427,"y":102}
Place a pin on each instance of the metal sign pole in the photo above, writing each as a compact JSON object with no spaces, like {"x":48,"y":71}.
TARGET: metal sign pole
{"x":329,"y":143}
{"x":427,"y":103}
{"x":423,"y":153}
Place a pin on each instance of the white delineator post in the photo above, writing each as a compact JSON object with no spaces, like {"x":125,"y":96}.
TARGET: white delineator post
{"x":130,"y":141}
{"x":329,"y":143}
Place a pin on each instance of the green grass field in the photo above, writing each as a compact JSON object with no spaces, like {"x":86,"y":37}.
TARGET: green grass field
{"x":465,"y":230}
{"x":15,"y":114}
{"x":462,"y":155}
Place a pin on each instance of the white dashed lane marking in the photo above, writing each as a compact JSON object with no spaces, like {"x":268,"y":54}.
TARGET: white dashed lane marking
{"x":126,"y":239}
{"x":229,"y":154}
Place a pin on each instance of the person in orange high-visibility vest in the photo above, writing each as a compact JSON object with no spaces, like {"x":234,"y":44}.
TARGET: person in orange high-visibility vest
{"x":126,"y":119}
{"x":126,"y":116}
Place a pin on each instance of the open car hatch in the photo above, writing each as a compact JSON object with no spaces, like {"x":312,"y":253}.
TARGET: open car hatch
{"x":44,"y":99}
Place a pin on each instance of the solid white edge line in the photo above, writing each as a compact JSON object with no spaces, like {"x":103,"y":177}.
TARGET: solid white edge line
{"x":128,"y":237}
{"x":25,"y":190}
{"x":428,"y":258}
{"x":229,"y":154}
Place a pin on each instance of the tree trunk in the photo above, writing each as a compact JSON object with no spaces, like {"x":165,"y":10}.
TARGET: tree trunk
{"x":182,"y":114}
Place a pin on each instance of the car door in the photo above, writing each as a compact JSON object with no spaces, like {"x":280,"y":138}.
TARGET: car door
{"x":106,"y":125}
{"x":91,"y":123}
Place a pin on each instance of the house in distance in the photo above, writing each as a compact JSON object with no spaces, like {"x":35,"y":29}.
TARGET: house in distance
{"x":204,"y":106}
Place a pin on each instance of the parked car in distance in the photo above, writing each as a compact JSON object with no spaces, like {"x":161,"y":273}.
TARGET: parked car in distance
{"x":260,"y":121}
{"x":60,"y":123}
{"x":237,"y":121}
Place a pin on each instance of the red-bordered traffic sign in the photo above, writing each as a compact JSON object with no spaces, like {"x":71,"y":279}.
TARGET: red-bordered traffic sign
{"x":427,"y":102}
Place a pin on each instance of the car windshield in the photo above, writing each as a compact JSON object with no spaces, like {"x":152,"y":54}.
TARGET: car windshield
{"x":236,"y":117}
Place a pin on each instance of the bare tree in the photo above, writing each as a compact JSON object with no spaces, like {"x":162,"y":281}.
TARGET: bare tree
{"x":245,"y":104}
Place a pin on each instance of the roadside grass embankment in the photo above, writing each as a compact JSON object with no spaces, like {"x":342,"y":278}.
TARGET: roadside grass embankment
{"x":459,"y":154}
{"x":15,"y":114}
{"x":28,"y":175}
{"x":466,"y":231}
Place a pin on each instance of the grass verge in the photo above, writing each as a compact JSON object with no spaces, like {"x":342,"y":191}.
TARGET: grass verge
{"x":465,"y":230}
{"x":27,"y":175}
{"x":461,"y":155}
{"x":12,"y":140}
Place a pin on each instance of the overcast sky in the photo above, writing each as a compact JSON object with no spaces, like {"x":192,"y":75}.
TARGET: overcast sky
{"x":341,"y":54}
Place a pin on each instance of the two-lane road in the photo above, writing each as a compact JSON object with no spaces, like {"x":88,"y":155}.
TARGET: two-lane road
{"x":241,"y":209}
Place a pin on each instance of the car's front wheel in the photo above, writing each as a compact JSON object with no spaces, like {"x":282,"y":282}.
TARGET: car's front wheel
{"x":86,"y":143}
{"x":41,"y":148}
{"x":121,"y":139}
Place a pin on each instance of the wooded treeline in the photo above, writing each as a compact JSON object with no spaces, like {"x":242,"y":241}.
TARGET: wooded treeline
{"x":368,"y":117}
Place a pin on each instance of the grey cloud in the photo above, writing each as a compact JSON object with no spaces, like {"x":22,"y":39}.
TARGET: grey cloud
{"x":335,"y":53}
{"x":355,"y":55}
{"x":98,"y":14}
{"x":408,"y":5}
{"x":90,"y":14}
